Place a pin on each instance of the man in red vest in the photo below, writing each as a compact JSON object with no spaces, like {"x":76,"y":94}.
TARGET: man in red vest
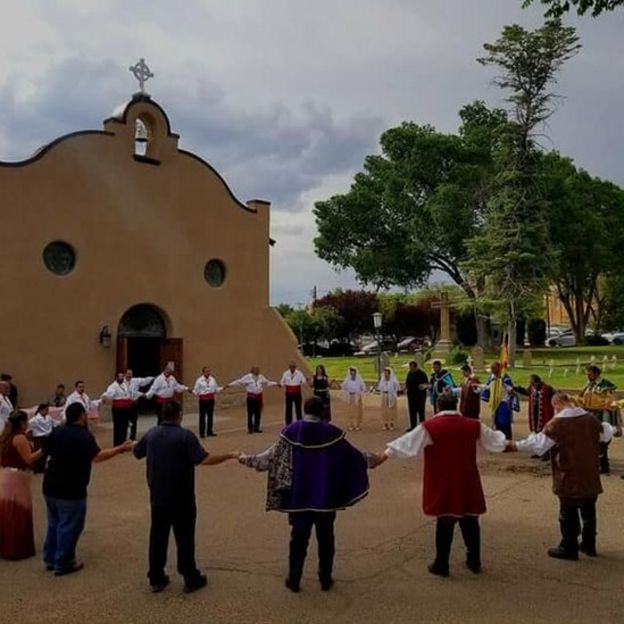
{"x":451,"y":482}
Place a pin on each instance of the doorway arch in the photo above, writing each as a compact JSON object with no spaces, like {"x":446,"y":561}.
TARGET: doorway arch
{"x":141,"y":334}
{"x":143,"y":321}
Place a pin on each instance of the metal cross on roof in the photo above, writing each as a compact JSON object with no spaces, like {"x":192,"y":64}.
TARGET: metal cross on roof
{"x":142,"y":73}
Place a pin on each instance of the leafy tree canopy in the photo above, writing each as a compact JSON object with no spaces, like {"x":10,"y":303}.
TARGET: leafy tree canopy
{"x":556,"y":8}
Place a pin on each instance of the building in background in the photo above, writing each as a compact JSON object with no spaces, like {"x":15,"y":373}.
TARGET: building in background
{"x":121,"y":250}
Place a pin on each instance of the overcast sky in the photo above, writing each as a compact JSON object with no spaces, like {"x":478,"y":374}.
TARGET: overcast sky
{"x":286,"y":97}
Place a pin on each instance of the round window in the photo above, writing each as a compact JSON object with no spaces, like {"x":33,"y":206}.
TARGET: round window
{"x":214,"y":272}
{"x":59,"y":258}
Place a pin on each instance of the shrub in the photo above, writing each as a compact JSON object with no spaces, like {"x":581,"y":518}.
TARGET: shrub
{"x":457,"y":356}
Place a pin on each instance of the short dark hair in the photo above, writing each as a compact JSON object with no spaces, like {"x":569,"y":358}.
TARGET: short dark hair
{"x":314,"y":407}
{"x":42,"y":406}
{"x":438,"y":362}
{"x":413,"y":363}
{"x":536,"y":378}
{"x":594,"y":369}
{"x":60,"y":386}
{"x":73,"y":412}
{"x":466,"y":367}
{"x":78,"y":382}
{"x":6,"y":377}
{"x":447,"y":402}
{"x":171,"y":411}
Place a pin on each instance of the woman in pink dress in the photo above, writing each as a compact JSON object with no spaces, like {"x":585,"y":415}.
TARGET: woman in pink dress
{"x":16,"y":459}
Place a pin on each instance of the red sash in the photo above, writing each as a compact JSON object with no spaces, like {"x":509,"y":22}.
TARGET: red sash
{"x":160,"y":399}
{"x":293,"y":389}
{"x":207,"y":397}
{"x":123,"y":403}
{"x":255,"y":397}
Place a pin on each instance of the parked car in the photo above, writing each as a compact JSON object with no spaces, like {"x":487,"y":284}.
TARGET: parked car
{"x":410,"y":344}
{"x":560,"y":338}
{"x":371,"y":348}
{"x":615,"y":337}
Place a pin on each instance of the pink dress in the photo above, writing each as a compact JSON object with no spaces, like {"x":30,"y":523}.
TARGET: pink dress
{"x":16,"y":518}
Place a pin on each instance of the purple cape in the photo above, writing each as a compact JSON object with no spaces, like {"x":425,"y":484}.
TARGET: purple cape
{"x":328,"y":473}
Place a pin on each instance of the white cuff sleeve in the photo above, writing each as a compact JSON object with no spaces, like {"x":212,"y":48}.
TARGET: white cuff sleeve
{"x":410,"y":444}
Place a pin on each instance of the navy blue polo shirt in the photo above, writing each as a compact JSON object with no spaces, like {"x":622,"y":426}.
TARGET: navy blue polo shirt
{"x":70,"y":451}
{"x":172,"y":453}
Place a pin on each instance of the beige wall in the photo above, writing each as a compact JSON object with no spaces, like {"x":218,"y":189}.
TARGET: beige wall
{"x":142,"y":233}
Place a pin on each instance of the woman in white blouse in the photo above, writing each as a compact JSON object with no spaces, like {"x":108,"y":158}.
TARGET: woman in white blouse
{"x":388,"y":387}
{"x":353,"y":388}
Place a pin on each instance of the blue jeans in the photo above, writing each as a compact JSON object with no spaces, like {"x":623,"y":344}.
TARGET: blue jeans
{"x":66,"y":520}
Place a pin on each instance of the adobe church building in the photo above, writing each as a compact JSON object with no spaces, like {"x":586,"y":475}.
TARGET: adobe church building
{"x":121,"y":250}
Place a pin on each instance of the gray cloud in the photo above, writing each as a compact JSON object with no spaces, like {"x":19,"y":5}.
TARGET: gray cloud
{"x":286,"y":98}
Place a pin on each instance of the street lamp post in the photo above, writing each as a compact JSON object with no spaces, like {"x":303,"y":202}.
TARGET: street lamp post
{"x":377,"y":322}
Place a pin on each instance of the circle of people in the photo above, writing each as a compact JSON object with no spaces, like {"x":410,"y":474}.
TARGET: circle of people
{"x":313,"y":471}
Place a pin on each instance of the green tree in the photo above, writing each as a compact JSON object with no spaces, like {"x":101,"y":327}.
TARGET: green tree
{"x":412,"y":209}
{"x":556,"y":8}
{"x":586,"y":227}
{"x":512,"y":248}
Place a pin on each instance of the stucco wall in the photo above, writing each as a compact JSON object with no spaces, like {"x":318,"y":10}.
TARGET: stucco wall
{"x":142,"y":233}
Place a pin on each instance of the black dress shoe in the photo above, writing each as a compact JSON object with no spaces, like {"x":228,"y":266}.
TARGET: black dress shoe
{"x":561,"y":553}
{"x":474,"y":566}
{"x":250,"y":430}
{"x":590,"y":551}
{"x":292,"y":585}
{"x":326,"y":583}
{"x":212,"y":434}
{"x":438,"y":570}
{"x":157,"y":587}
{"x":257,"y":430}
{"x":195,"y":583}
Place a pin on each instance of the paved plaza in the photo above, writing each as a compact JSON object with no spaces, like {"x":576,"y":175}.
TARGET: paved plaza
{"x":383,"y":547}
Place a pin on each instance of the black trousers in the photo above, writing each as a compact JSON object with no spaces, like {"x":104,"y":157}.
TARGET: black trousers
{"x":416,"y":408}
{"x":180,"y":517}
{"x":206,"y":416}
{"x":121,"y":420}
{"x":133,"y":418}
{"x":292,"y":399}
{"x":254,"y":414}
{"x":471,"y":533}
{"x":605,"y":468}
{"x":301,"y":524}
{"x":158,"y":409}
{"x":570,"y":524}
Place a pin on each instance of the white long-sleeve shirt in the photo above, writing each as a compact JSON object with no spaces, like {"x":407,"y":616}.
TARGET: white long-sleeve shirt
{"x":540,"y":443}
{"x":136,"y":383}
{"x":41,"y":426}
{"x":293,"y":379}
{"x":76,"y":397}
{"x":165,"y":387}
{"x":117,"y":391}
{"x":253,"y":384}
{"x":415,"y":441}
{"x":206,"y":385}
{"x":6,"y":407}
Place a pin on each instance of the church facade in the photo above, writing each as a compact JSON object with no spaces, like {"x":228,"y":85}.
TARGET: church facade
{"x":121,"y":250}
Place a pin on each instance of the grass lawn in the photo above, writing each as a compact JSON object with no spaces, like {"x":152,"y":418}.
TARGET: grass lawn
{"x":557,"y":366}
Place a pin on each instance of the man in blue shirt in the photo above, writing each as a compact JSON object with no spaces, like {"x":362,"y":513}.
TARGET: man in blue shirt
{"x":172,"y":453}
{"x":70,"y":451}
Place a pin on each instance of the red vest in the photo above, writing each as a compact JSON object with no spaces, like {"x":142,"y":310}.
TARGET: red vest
{"x":451,"y":481}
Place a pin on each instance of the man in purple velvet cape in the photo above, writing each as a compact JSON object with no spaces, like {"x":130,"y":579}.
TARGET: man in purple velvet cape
{"x":313,"y":472}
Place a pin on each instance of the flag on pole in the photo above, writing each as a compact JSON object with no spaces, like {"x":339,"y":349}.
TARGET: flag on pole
{"x":496,"y":393}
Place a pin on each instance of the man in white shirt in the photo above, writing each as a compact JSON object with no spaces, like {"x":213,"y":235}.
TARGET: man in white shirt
{"x":292,"y":381}
{"x":163,"y":389}
{"x":205,"y":389}
{"x":6,"y":407}
{"x":254,"y":384}
{"x":452,"y":490}
{"x":134,"y":385}
{"x":119,"y":395}
{"x":80,"y":396}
